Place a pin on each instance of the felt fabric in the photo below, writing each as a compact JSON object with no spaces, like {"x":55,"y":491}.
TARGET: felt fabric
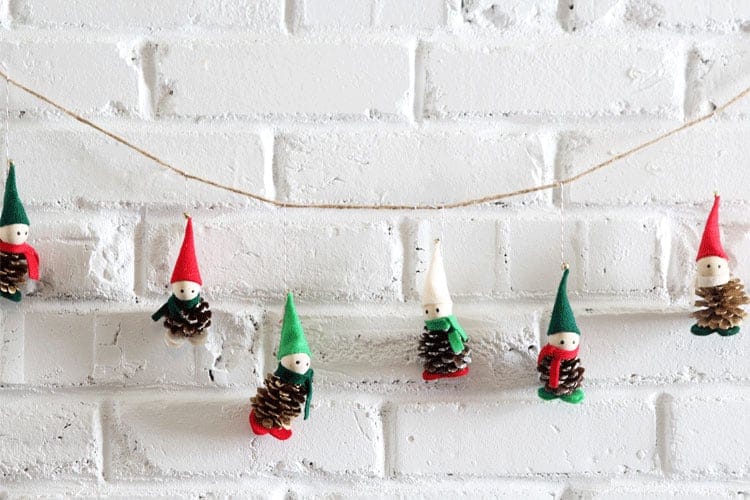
{"x":456,"y":334}
{"x":436,"y":283}
{"x":174,"y":306}
{"x":32,"y":258}
{"x":305,"y":380}
{"x":557,"y":355}
{"x":186,"y":267}
{"x":711,"y":240}
{"x":293,"y":339}
{"x":562,"y":315}
{"x":13,"y":211}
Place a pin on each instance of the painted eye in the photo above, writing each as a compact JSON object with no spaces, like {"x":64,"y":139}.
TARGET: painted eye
{"x":26,"y":233}
{"x":708,"y":265}
{"x":437,"y":310}
{"x":426,"y":311}
{"x":574,"y":342}
{"x":19,"y":233}
{"x":562,"y":342}
{"x":307,"y":364}
{"x":296,"y":362}
{"x":192,"y":291}
{"x":719,"y":266}
{"x":182,"y":291}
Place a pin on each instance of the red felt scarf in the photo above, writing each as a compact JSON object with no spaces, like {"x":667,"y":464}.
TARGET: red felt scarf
{"x":557,"y":355}
{"x":32,"y":259}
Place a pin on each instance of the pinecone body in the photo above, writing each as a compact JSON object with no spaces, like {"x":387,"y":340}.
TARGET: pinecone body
{"x":278,"y":403}
{"x":571,"y":375}
{"x":435,"y":350}
{"x":13,"y":269}
{"x":190,"y":323}
{"x":721,"y":305}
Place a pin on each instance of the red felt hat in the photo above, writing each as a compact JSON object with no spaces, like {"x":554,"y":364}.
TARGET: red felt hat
{"x":186,"y":267}
{"x":711,"y":241}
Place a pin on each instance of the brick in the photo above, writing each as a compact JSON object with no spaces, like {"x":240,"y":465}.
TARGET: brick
{"x":575,"y":15}
{"x":425,"y":14}
{"x":358,"y":14}
{"x":664,"y":490}
{"x":575,"y":442}
{"x":471,"y":253}
{"x":142,"y":449}
{"x":508,"y":14}
{"x":714,"y":150}
{"x":129,"y":349}
{"x":235,"y":157}
{"x":257,"y":16}
{"x":571,"y":78}
{"x":721,"y":15}
{"x":534,"y":245}
{"x":53,"y":68}
{"x":709,"y":438}
{"x":11,"y":349}
{"x":58,"y":348}
{"x":380,"y":348}
{"x":366,"y":80}
{"x":84,"y":256}
{"x":716,"y":73}
{"x":253,"y":258}
{"x":49,"y":439}
{"x":640,"y":266}
{"x":642,"y":348}
{"x":233,"y":354}
{"x":340,"y":166}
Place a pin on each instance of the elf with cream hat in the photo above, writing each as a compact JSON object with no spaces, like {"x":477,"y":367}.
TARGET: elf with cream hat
{"x":443,"y":345}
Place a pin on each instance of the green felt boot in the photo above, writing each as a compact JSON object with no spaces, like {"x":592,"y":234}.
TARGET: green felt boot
{"x":543,"y":394}
{"x":728,"y":333}
{"x":700,"y":331}
{"x":15,"y":297}
{"x":574,"y":397}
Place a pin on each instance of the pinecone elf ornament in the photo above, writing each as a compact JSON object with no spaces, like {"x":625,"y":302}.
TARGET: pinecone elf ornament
{"x":558,"y":362}
{"x":443,"y":344}
{"x":720,"y":294}
{"x":17,"y":258}
{"x":290,"y":386}
{"x":187,"y":314}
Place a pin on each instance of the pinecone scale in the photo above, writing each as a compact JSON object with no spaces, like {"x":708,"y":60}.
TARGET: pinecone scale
{"x":437,"y":355}
{"x":13,"y":269}
{"x":571,"y":376}
{"x":278,"y":403}
{"x":721,"y":305}
{"x":191,"y":323}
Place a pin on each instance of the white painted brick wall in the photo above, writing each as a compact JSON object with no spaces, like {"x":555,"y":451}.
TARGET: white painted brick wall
{"x":369,"y":101}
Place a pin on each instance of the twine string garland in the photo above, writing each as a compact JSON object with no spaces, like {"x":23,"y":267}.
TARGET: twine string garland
{"x":347,"y":206}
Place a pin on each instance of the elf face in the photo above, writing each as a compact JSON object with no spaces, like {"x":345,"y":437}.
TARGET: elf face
{"x":298,"y":363}
{"x":15,"y":234}
{"x":434,"y":311}
{"x":186,"y":290}
{"x":712,"y":271}
{"x":567,"y":341}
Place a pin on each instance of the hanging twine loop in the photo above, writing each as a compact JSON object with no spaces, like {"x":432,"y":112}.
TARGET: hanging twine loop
{"x":345,"y":206}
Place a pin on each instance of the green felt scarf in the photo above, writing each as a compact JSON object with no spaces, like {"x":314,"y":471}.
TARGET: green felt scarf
{"x":456,"y":335}
{"x":291,"y":377}
{"x":174,"y":306}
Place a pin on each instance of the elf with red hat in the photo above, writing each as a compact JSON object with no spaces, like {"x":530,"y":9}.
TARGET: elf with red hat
{"x":187,"y":314}
{"x":721,"y":294}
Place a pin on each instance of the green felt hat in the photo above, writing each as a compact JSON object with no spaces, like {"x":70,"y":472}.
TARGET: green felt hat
{"x":562,"y":315}
{"x":292,"y":335}
{"x":13,"y":212}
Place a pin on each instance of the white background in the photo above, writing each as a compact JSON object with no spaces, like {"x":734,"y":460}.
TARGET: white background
{"x":375,"y":101}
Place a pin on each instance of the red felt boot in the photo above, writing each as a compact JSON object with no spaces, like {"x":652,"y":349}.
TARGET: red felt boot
{"x":255,"y":426}
{"x":435,"y":376}
{"x":277,"y":432}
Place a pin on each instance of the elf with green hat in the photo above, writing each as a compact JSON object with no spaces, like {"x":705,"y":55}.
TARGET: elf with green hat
{"x":558,"y":362}
{"x":280,"y":401}
{"x":16,"y":256}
